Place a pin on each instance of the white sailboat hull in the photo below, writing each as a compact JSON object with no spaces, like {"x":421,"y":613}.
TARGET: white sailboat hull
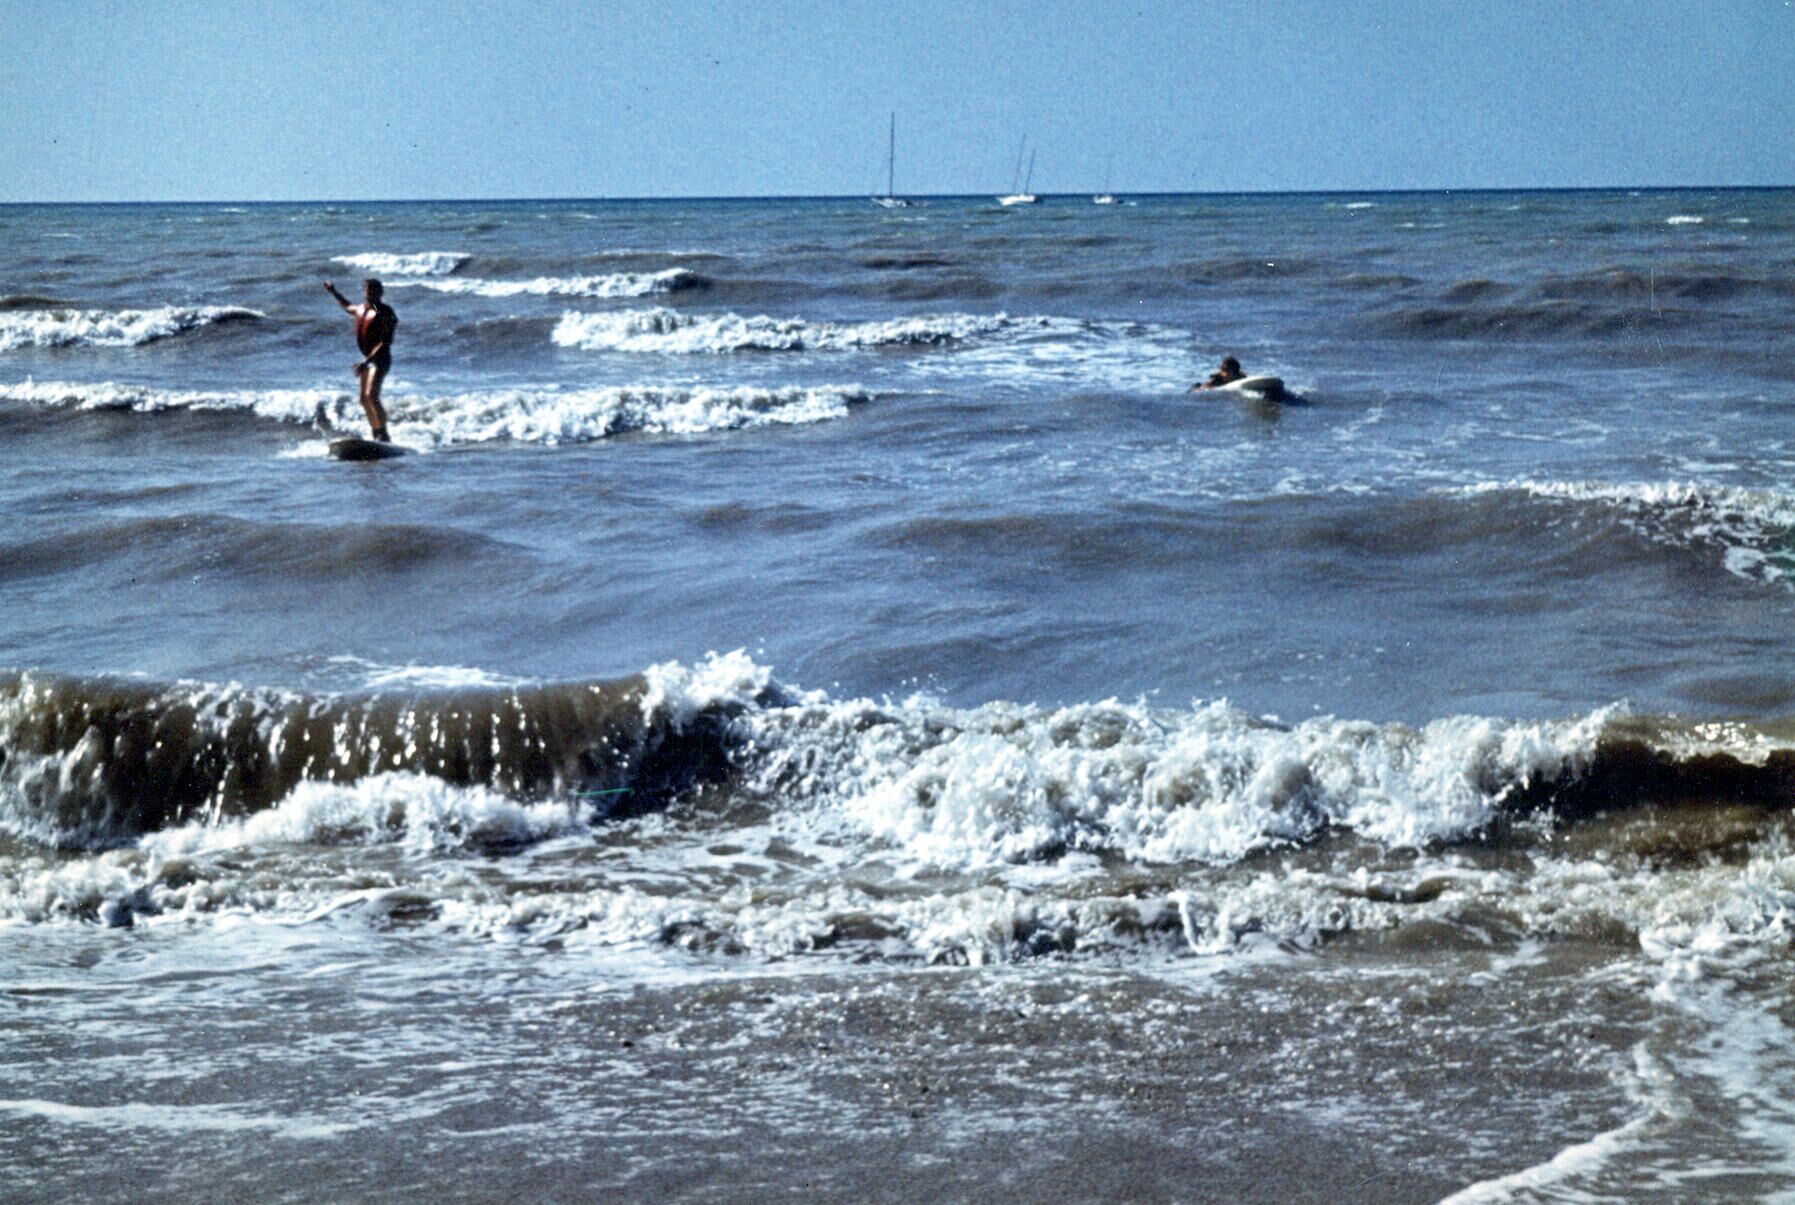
{"x":891,"y":200}
{"x":1020,"y":198}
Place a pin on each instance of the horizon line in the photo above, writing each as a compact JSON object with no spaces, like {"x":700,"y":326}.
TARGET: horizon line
{"x":921,"y":196}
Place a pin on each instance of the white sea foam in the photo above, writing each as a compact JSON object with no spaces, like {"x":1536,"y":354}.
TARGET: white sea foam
{"x":1702,"y":931}
{"x":1650,"y":1087}
{"x":258,"y":862}
{"x":286,"y":405}
{"x":668,"y":331}
{"x":110,"y":328}
{"x":579,"y":415}
{"x":371,"y":675}
{"x":619,"y":284}
{"x":679,"y":692}
{"x":973,"y":834}
{"x":1211,"y":785}
{"x":1010,"y":350}
{"x":419,"y":813}
{"x":549,"y":416}
{"x":1684,"y":219}
{"x":180,"y":1120}
{"x":416,"y":263}
{"x":1007,"y":783}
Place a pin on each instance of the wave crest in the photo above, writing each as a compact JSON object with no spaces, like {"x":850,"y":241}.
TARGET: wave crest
{"x":986,"y":833}
{"x":670,"y":332}
{"x":415,"y":263}
{"x":1750,"y":526}
{"x":98,"y":762}
{"x":1004,"y":783}
{"x":111,"y":328}
{"x":617,"y":284}
{"x":93,"y":761}
{"x":543,"y":416}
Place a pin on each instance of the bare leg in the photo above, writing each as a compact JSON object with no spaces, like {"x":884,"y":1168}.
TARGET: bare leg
{"x":371,"y":377}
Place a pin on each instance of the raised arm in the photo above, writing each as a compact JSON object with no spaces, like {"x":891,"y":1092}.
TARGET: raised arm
{"x":341,"y":300}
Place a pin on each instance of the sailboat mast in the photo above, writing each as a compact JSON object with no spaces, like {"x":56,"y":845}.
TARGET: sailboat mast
{"x":1030,"y":182}
{"x":891,"y":159}
{"x":1016,"y":176}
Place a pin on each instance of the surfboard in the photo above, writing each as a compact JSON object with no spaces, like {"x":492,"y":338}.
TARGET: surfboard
{"x":352,"y":448}
{"x":1262,"y":386}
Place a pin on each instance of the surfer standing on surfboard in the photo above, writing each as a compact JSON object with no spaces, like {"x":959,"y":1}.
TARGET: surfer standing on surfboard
{"x":375,"y":323}
{"x":1227,"y":374}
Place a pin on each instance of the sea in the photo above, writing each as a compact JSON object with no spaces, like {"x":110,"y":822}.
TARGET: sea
{"x":822,"y":711}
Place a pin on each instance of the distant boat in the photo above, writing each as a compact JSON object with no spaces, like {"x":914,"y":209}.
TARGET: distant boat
{"x":1021,"y":196}
{"x":1105,"y":197}
{"x":891,"y":200}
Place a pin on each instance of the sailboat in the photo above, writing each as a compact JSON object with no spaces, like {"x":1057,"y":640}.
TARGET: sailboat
{"x":891,"y":200}
{"x":1106,"y":197}
{"x":1024,"y":197}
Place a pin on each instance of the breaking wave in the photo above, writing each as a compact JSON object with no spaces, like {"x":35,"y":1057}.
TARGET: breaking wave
{"x":667,"y":331}
{"x":1751,"y":528}
{"x":111,"y":328}
{"x":94,"y":760}
{"x":417,"y":263}
{"x":704,"y":806}
{"x":620,"y":284}
{"x":544,"y":416}
{"x":286,"y":405}
{"x":1005,"y":783}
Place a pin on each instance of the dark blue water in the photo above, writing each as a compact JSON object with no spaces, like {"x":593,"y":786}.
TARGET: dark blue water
{"x":777,"y":593}
{"x":1531,"y":464}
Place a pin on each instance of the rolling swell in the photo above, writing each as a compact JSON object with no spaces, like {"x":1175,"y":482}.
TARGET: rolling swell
{"x":1693,"y":284}
{"x":94,"y":762}
{"x":174,"y":547}
{"x":1602,"y":303}
{"x":29,"y":301}
{"x":1549,"y":318}
{"x":1748,"y":528}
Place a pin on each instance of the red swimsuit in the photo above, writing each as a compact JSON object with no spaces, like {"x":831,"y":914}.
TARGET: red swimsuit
{"x":374,"y":327}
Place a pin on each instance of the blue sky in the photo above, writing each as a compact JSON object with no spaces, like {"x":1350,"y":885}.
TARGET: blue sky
{"x":309,"y":99}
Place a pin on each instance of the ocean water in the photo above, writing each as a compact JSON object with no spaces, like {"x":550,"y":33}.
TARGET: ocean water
{"x":822,"y":710}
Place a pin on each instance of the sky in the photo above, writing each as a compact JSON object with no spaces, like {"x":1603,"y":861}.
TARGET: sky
{"x":132,"y":100}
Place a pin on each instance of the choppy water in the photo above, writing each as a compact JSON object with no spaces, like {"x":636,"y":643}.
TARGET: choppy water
{"x":819,"y":663}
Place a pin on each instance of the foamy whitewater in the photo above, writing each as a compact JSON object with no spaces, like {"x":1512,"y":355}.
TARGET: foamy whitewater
{"x":821,"y":709}
{"x":110,"y":328}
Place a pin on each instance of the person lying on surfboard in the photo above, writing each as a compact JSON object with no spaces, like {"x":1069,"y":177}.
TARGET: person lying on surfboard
{"x":375,"y":323}
{"x":1227,"y":374}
